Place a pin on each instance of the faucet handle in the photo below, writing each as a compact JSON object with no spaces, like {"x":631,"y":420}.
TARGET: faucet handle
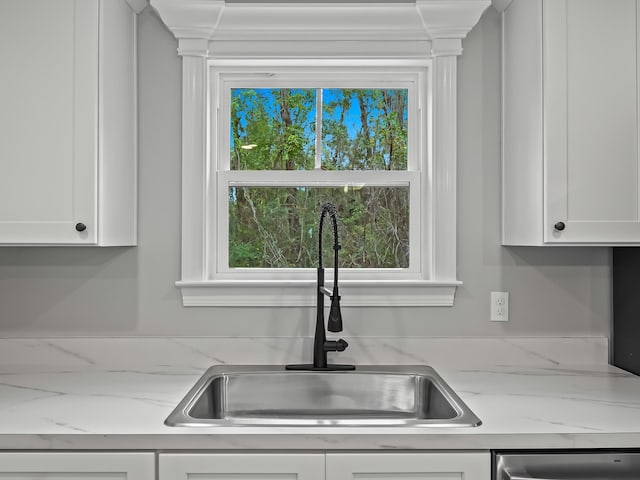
{"x":335,"y":345}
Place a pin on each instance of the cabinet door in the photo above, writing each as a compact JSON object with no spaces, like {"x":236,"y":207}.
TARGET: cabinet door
{"x":408,"y":466}
{"x":79,"y":466}
{"x":48,"y":121}
{"x":591,"y":121}
{"x":240,"y":466}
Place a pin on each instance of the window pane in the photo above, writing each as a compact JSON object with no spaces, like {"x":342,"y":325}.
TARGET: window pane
{"x":272,"y":129}
{"x":364,"y":129}
{"x":276,"y":227}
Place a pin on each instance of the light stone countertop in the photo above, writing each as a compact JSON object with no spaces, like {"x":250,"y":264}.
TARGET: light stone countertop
{"x":114,"y":393}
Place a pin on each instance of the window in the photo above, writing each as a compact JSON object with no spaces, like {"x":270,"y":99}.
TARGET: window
{"x":241,"y":57}
{"x":288,"y":141}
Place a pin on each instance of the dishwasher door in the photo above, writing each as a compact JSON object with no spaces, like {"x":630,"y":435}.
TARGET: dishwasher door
{"x":568,"y":466}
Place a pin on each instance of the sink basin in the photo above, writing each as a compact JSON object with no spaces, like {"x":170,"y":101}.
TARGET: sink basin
{"x":368,"y":396}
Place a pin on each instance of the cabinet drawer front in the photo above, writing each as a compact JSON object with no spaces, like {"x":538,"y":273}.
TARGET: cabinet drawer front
{"x":77,"y":466}
{"x":240,"y":466}
{"x":408,"y":466}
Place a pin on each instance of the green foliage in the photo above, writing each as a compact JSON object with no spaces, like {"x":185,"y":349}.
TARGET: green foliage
{"x":242,"y":254}
{"x":362,"y":130}
{"x":278,"y":123}
{"x":380,"y":142}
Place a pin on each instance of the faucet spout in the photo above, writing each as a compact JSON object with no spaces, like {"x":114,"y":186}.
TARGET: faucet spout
{"x":334,"y":323}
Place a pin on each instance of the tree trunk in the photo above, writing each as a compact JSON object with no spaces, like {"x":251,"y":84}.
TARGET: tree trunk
{"x":364,"y":120}
{"x":293,"y":221}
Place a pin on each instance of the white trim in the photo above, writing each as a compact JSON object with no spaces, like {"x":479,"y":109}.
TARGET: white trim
{"x":322,"y":63}
{"x":194,"y":186}
{"x":390,"y":36}
{"x":137,"y":5}
{"x":300,"y":293}
{"x":413,"y":78}
{"x":190,"y":19}
{"x":312,"y":178}
{"x":444,"y":183}
{"x":318,"y":21}
{"x":501,"y":5}
{"x":450,"y":19}
{"x":317,"y":163}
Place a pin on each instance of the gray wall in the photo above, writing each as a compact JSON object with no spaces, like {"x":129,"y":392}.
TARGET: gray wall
{"x":130,"y":291}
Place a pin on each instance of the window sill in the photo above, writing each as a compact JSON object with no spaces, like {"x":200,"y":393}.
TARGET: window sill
{"x":286,"y":293}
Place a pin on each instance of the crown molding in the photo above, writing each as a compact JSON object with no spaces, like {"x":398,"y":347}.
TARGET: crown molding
{"x":501,"y":5}
{"x":190,"y":19}
{"x":450,"y":18}
{"x":137,"y":5}
{"x":317,"y":22}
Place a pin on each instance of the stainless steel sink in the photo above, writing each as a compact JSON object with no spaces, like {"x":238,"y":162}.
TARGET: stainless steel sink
{"x":370,"y":395}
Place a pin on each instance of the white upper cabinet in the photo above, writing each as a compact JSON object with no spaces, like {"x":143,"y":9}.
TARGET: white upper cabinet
{"x":570,"y":123}
{"x":67,"y":122}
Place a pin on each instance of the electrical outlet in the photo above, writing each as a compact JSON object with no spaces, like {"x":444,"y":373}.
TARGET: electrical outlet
{"x":499,"y":306}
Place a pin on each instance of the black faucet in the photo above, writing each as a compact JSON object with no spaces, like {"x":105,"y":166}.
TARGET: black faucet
{"x":334,"y":324}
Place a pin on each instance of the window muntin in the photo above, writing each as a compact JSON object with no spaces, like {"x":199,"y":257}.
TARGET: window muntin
{"x":405,"y":175}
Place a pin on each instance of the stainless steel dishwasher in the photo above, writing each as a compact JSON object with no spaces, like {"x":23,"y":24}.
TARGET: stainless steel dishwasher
{"x":567,"y":466}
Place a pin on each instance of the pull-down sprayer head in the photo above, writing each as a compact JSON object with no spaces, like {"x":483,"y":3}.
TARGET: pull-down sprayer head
{"x":334,"y":323}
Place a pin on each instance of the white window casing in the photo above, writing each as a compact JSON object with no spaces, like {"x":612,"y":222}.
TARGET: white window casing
{"x":354,"y":76}
{"x":319,"y":45}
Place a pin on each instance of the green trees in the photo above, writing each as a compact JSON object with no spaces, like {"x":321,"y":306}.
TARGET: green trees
{"x":275,"y":129}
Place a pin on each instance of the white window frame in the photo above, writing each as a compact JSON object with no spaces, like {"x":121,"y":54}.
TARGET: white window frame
{"x":393,"y":36}
{"x":224,"y":79}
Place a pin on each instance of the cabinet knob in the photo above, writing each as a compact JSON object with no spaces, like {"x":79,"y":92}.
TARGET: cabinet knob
{"x":559,"y":226}
{"x":81,"y":227}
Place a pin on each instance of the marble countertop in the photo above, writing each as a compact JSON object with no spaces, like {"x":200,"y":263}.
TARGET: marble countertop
{"x":115,"y":394}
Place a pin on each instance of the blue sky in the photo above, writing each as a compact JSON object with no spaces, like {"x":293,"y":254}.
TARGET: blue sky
{"x":351,"y":117}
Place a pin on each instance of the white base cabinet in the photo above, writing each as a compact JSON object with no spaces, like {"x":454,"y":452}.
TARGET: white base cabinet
{"x":67,"y":122}
{"x":571,"y":169}
{"x":245,"y":466}
{"x":79,"y":466}
{"x":329,"y":466}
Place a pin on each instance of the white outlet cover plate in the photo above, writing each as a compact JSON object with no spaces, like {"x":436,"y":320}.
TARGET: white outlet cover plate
{"x":499,"y":306}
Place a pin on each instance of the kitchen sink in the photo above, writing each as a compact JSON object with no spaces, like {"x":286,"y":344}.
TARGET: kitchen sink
{"x":368,"y":396}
